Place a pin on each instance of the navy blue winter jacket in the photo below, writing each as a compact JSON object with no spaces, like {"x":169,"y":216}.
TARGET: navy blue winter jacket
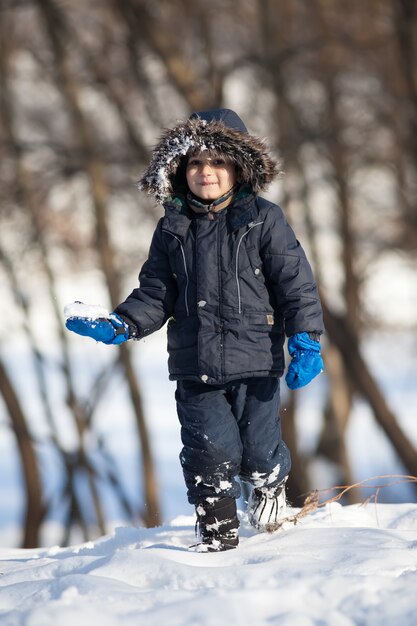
{"x":230,"y":288}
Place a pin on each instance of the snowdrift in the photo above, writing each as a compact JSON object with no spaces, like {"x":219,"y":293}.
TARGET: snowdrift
{"x":339,"y":566}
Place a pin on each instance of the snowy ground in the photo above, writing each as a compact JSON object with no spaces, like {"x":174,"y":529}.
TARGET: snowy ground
{"x":339,"y":566}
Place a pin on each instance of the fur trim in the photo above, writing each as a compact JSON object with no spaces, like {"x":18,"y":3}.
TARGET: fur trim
{"x":256,"y":166}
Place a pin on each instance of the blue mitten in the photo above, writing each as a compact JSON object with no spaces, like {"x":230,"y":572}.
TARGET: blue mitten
{"x":95,"y":322}
{"x":306,"y":361}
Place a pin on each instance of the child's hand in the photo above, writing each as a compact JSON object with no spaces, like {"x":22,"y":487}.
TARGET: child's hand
{"x":306,"y":361}
{"x":95,"y":322}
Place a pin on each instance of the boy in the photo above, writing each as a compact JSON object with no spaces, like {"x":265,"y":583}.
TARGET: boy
{"x":227,"y":273}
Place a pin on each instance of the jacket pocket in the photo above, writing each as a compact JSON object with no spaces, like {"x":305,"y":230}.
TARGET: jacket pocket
{"x":262,"y":320}
{"x":254,"y":346}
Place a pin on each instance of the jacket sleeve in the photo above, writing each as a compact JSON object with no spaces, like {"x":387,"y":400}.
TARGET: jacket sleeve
{"x":289,"y":274}
{"x":149,"y":306}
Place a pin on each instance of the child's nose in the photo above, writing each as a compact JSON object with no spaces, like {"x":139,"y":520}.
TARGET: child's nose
{"x":206,"y":165}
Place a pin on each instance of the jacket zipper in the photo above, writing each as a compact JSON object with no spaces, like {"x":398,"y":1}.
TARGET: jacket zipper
{"x":185,"y":269}
{"x":237,"y":264}
{"x":221,"y":324}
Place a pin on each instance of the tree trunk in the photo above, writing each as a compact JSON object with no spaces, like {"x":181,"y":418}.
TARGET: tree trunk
{"x":346,"y":341}
{"x":297,"y":484}
{"x":34,"y":513}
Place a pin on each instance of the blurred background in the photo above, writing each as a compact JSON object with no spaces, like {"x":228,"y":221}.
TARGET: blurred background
{"x":88,"y":433}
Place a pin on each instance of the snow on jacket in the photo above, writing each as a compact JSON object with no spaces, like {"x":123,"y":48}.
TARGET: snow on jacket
{"x":231,"y":287}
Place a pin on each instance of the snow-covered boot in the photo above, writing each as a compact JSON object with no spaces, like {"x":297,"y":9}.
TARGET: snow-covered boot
{"x":266,"y":507}
{"x":217,"y":524}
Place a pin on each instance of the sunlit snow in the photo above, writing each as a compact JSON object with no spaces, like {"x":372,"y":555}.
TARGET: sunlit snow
{"x":340,"y":566}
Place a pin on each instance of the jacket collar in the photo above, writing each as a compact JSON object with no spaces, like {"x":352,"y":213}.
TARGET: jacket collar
{"x":242,"y":211}
{"x":203,"y":208}
{"x":177,"y":216}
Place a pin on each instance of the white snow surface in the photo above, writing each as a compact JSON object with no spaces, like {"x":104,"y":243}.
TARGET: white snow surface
{"x":89,"y":311}
{"x":339,"y":566}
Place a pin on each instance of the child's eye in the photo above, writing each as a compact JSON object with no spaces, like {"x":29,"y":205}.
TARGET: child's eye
{"x":194,"y":162}
{"x":215,"y":162}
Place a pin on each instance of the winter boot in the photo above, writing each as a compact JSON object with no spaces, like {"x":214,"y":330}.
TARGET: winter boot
{"x":217,"y":524}
{"x":266,"y":507}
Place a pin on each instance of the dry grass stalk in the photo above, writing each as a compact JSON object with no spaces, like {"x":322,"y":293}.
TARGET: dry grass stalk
{"x":312,"y":501}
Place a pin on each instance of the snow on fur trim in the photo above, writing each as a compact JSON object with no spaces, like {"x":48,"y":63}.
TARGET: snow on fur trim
{"x":255,"y":165}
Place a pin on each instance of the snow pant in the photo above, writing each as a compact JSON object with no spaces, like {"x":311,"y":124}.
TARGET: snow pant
{"x":228,"y":431}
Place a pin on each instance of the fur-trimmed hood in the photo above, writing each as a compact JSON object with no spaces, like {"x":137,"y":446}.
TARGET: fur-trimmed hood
{"x":220,"y":131}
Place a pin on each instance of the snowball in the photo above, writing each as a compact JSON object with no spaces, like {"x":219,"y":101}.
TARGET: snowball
{"x":89,"y":311}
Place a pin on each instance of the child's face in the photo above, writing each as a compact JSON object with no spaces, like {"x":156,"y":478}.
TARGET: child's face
{"x":209,"y":178}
